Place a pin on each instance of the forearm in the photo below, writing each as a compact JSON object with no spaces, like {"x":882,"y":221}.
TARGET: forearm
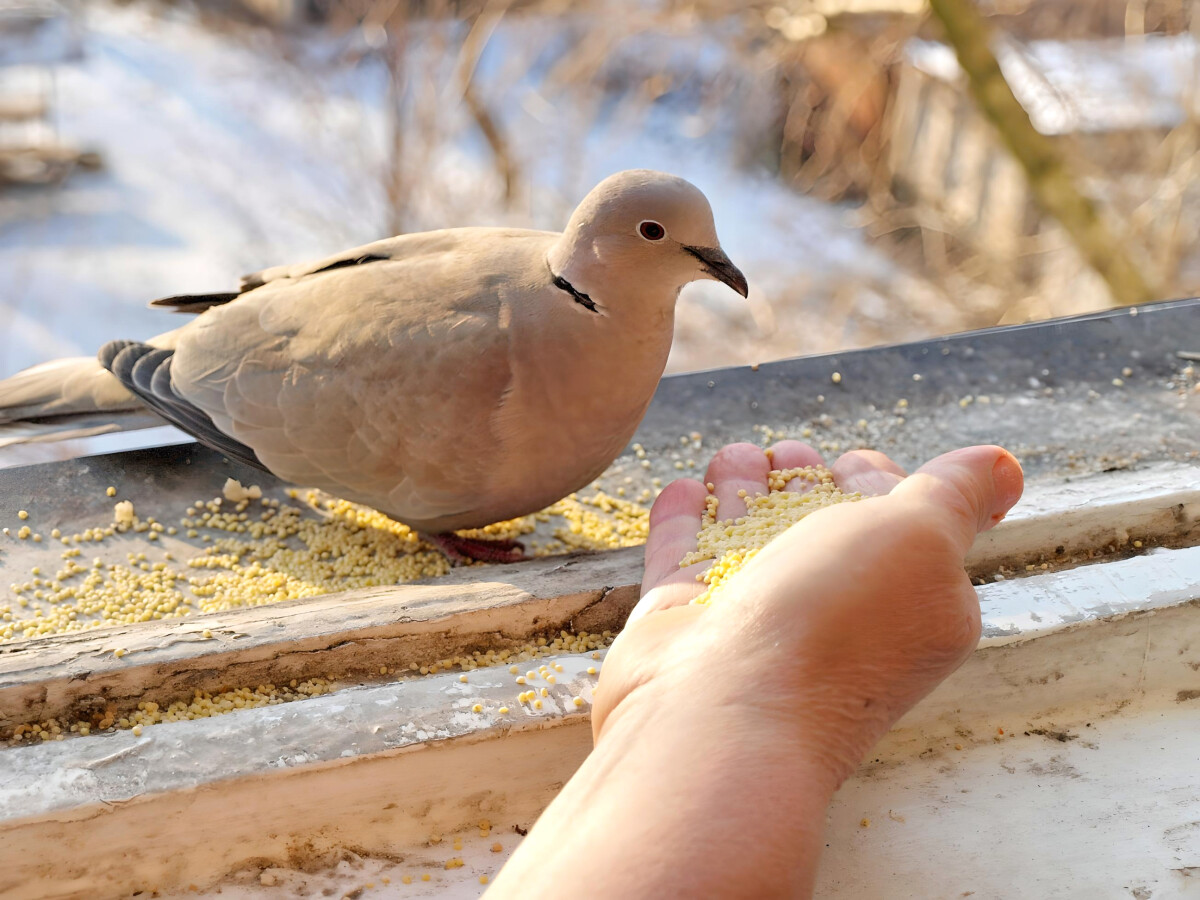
{"x":674,"y":802}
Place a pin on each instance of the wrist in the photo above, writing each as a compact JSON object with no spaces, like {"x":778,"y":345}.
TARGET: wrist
{"x":732,"y":802}
{"x":688,"y":792}
{"x":744,"y":736}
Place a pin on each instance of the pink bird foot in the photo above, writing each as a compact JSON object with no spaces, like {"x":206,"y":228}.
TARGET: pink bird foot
{"x":462,"y":551}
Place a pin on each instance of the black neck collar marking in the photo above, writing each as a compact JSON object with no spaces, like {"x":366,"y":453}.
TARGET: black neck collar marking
{"x":578,"y":296}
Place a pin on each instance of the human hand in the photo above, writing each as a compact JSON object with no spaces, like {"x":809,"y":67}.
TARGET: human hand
{"x":722,"y":731}
{"x":840,"y":625}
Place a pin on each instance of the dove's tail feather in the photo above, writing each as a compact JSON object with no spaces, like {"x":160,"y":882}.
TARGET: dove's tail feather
{"x":71,"y":398}
{"x":65,"y":428}
{"x":67,"y":398}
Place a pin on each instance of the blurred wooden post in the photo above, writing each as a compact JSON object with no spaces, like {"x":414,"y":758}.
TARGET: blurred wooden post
{"x":1049,"y":177}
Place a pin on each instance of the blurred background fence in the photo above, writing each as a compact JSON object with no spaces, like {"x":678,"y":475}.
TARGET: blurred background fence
{"x":149,"y":148}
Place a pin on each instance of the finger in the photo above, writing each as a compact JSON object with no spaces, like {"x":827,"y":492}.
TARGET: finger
{"x":674,"y":523}
{"x":677,"y":588}
{"x":737,"y":467}
{"x":869,"y":472}
{"x":969,"y":489}
{"x":794,"y":455}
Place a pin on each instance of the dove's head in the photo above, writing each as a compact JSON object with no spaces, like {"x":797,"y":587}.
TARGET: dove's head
{"x":641,"y":234}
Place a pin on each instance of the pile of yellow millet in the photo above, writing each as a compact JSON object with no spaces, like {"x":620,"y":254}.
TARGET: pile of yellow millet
{"x":732,"y":543}
{"x":255,"y":550}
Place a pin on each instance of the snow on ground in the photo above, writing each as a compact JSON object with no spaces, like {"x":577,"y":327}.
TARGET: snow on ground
{"x":220,"y":158}
{"x":197,"y":188}
{"x":1102,"y":85}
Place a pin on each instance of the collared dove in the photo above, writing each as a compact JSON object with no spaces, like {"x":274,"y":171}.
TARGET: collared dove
{"x":449,"y":379}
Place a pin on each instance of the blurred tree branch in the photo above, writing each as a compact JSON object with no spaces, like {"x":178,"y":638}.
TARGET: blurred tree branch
{"x":472,"y":49}
{"x":1045,"y":167}
{"x":395,"y":183}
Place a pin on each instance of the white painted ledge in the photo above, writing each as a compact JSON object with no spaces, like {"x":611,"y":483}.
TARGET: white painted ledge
{"x":1058,"y":519}
{"x":1026,"y":608}
{"x":350,"y":723}
{"x":380,"y":769}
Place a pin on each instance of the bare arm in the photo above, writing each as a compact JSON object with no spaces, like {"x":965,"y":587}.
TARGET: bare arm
{"x":722,"y":732}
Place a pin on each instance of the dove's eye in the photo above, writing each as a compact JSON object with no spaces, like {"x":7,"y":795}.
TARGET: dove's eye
{"x":651,"y":230}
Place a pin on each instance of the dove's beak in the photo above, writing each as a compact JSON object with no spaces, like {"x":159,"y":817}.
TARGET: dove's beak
{"x":717,"y":265}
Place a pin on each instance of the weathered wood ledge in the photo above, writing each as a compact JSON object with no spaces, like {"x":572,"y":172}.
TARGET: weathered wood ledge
{"x":350,"y":636}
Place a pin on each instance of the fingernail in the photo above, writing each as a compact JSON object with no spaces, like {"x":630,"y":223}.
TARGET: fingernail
{"x":1007,"y":481}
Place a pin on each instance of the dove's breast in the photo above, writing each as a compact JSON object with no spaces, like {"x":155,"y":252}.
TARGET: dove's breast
{"x":577,"y":398}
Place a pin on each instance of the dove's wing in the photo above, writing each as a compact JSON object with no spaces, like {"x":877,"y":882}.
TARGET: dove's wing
{"x":388,"y":248}
{"x":379,"y":380}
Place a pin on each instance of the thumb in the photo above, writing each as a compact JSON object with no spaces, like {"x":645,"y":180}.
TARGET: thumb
{"x":970,"y":490}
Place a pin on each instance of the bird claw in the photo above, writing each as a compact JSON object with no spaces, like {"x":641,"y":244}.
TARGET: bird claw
{"x":463,"y":551}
